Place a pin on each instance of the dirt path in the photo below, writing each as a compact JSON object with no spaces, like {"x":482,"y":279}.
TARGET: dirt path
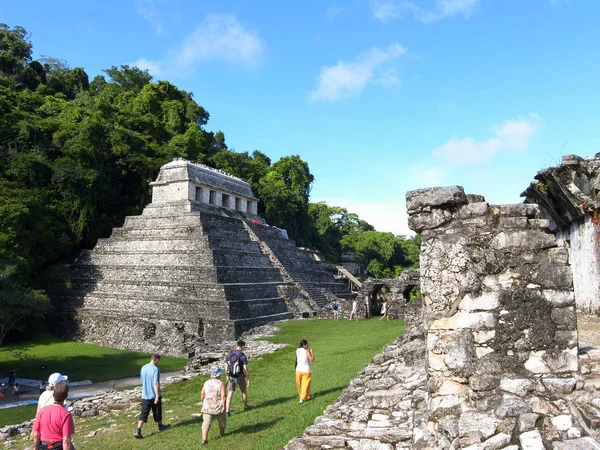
{"x":33,"y":393}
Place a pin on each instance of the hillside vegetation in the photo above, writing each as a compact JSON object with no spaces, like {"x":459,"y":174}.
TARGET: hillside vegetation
{"x":77,"y":156}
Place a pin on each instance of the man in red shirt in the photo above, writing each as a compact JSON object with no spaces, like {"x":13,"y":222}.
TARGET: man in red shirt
{"x":53,"y":424}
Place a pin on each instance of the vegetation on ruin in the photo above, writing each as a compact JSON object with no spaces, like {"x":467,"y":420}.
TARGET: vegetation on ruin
{"x":77,"y":156}
{"x":341,"y":348}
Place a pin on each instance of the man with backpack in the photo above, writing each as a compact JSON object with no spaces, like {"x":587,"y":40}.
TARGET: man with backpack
{"x":236,"y":366}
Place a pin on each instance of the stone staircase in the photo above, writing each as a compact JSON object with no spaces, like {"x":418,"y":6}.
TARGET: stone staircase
{"x":305,"y":270}
{"x":169,"y":280}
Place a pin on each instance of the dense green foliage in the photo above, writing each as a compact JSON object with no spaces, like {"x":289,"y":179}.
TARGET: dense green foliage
{"x":277,"y":416}
{"x":77,"y":156}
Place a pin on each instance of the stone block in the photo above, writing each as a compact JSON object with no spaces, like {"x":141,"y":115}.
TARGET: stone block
{"x":527,"y":421}
{"x":485,"y":302}
{"x":584,"y":443}
{"x":559,"y":386}
{"x":543,"y":224}
{"x":558,"y":361}
{"x":531,"y":440}
{"x":517,"y":386}
{"x":558,"y":255}
{"x":472,"y":209}
{"x":529,"y":210}
{"x":522,"y":240}
{"x":562,"y":422}
{"x":463,"y":320}
{"x":449,"y":387}
{"x":564,"y":317}
{"x":435,"y":196}
{"x":497,"y":442}
{"x":512,"y":407}
{"x":513,"y":222}
{"x":427,"y":221}
{"x":475,"y":421}
{"x":558,"y":298}
{"x":483,"y":382}
{"x":481,"y":337}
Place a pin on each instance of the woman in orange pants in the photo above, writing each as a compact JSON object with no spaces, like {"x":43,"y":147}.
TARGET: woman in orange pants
{"x":304,"y":356}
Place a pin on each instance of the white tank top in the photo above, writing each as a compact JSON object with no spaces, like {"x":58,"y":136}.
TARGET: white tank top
{"x":303,"y":362}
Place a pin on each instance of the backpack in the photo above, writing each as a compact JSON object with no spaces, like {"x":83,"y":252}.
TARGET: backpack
{"x":234,"y":366}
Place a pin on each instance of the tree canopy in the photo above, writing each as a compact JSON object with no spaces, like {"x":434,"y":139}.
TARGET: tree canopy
{"x":77,"y":156}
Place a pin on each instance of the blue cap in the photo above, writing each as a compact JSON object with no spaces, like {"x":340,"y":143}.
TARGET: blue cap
{"x":215,"y":371}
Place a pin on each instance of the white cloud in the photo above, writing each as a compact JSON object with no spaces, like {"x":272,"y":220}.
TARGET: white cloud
{"x":388,"y":78}
{"x":149,"y":11}
{"x":386,"y":10}
{"x":334,"y":11}
{"x":153,"y":67}
{"x":219,"y":38}
{"x":347,"y":80}
{"x":510,"y":135}
{"x":422,"y":174}
{"x":384,"y":216}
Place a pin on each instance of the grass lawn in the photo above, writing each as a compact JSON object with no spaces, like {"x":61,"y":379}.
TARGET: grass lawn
{"x":341,"y":351}
{"x":79,"y":361}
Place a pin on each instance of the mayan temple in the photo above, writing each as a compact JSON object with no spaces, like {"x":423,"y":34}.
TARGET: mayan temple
{"x":197,"y":268}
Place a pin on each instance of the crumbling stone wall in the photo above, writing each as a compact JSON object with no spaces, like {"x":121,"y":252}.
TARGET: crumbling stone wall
{"x":498,"y":310}
{"x":399,"y":288}
{"x":569,"y":196}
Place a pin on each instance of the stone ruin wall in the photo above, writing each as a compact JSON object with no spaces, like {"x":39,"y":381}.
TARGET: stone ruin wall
{"x":498,"y":310}
{"x":569,"y":196}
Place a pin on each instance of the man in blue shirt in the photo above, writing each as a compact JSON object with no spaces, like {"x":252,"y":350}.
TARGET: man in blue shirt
{"x":151,"y":395}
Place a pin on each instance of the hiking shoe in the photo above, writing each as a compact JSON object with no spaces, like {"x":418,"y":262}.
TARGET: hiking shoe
{"x":138,"y":435}
{"x":164,"y":427}
{"x":228,"y":414}
{"x":248,"y":408}
{"x":301,"y":401}
{"x":204,"y":442}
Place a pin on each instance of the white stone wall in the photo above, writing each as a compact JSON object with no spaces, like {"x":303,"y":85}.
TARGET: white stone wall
{"x":584,"y":255}
{"x":171,"y":192}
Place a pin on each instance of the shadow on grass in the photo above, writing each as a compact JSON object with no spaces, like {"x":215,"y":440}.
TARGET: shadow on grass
{"x":277,"y":401}
{"x":255,"y":428}
{"x":185,"y":423}
{"x":93,"y":362}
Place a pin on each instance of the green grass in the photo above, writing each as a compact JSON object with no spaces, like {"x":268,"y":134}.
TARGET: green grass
{"x":341,"y":351}
{"x":77,"y":360}
{"x":21,"y":414}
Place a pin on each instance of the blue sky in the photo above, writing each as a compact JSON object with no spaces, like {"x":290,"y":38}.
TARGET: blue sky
{"x":378,"y":96}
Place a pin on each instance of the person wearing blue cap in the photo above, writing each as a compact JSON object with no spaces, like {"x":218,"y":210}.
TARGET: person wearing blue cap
{"x":213,"y":403}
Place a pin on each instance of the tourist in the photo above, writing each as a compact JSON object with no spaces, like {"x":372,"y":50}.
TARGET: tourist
{"x":16,"y":388}
{"x":354,"y":312}
{"x":42,"y":387}
{"x":53,"y":424}
{"x":304,"y":356}
{"x":2,"y":392}
{"x":47,"y":397}
{"x":12,"y":377}
{"x":151,"y":395}
{"x":213,"y":403}
{"x":335,"y":307}
{"x":384,"y":310}
{"x":236,"y":366}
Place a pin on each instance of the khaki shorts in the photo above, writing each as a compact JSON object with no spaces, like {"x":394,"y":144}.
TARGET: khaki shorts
{"x":240,"y":381}
{"x":207,"y":420}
